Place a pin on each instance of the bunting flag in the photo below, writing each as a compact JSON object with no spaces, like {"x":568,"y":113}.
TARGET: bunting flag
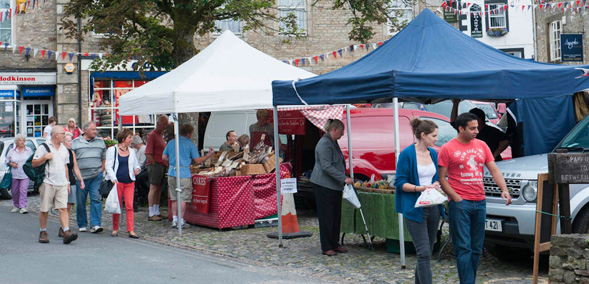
{"x":43,"y":53}
{"x":20,"y":48}
{"x":71,"y":56}
{"x":35,"y":52}
{"x":574,"y":6}
{"x":334,"y":54}
{"x":49,"y":54}
{"x":28,"y":51}
{"x":296,"y":62}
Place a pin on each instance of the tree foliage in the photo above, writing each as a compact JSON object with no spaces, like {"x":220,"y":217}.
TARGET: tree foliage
{"x":160,"y":33}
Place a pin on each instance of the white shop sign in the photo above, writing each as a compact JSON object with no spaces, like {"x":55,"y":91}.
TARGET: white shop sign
{"x":288,"y":185}
{"x":10,"y":78}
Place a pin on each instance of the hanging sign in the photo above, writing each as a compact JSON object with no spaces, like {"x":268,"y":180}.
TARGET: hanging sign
{"x":571,"y":47}
{"x":449,"y":15}
{"x":476,"y":24}
{"x":290,"y":122}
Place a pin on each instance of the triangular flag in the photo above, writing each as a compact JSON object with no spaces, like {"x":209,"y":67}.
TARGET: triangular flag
{"x":379,"y":43}
{"x":296,"y":62}
{"x":43,"y":53}
{"x":5,"y":46}
{"x":49,"y":52}
{"x":303,"y":61}
{"x":316,"y":58}
{"x":35,"y":52}
{"x":352,"y":47}
{"x":63,"y":54}
{"x":322,"y":57}
{"x":20,"y":48}
{"x":71,"y":56}
{"x":93,"y":56}
{"x":86,"y":54}
{"x":290,"y":62}
{"x":100,"y":56}
{"x":340,"y":52}
{"x":334,"y":54}
{"x":28,"y":50}
{"x":578,"y":2}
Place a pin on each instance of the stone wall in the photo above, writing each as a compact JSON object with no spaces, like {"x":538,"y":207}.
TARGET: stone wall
{"x":569,"y":259}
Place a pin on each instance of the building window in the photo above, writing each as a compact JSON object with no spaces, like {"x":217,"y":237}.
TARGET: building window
{"x":104,"y":108}
{"x":555,"y":30}
{"x":296,"y":7}
{"x":400,"y":14}
{"x":499,"y":19}
{"x":6,"y":24}
{"x":228,"y":25}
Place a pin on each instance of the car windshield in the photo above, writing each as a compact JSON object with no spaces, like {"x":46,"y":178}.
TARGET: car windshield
{"x":578,"y":137}
{"x":445,"y":107}
{"x":489,"y":110}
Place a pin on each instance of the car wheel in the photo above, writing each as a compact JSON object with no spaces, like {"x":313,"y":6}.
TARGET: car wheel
{"x":5,"y":193}
{"x":509,"y":254}
{"x":581,"y":223}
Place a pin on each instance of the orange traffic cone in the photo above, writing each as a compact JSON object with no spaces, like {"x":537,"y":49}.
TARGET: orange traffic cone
{"x":289,"y":214}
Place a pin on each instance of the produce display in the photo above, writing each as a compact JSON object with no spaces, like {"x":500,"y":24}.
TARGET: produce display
{"x":380,"y":186}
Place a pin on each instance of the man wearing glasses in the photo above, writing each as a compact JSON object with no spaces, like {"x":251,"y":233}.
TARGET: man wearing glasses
{"x":56,"y":185}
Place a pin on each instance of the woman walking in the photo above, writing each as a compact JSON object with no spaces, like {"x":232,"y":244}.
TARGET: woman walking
{"x":121,"y":168}
{"x":16,"y":158}
{"x":73,"y":172}
{"x":328,"y":180}
{"x":416,"y":171}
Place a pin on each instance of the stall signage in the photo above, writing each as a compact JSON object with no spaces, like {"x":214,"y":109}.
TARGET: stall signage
{"x":568,"y":168}
{"x":290,"y":122}
{"x":288,"y":185}
{"x":7,"y":93}
{"x":47,"y":91}
{"x":49,"y":78}
{"x":571,"y":46}
{"x":200,"y":194}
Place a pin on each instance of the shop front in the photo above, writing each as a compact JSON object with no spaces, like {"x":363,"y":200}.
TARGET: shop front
{"x":26,"y":102}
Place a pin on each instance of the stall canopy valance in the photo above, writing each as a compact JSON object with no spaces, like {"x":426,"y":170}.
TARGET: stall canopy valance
{"x":227,"y":75}
{"x":428,"y":60}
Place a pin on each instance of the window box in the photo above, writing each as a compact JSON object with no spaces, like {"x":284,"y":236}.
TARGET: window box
{"x":497,"y":32}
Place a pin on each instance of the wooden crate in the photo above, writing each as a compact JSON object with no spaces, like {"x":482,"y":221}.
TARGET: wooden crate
{"x":253,"y":169}
{"x":270,"y":165}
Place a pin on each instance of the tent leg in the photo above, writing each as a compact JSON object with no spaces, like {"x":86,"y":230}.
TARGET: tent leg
{"x":277,"y":172}
{"x":178,"y":189}
{"x":397,"y":152}
{"x":349,"y":129}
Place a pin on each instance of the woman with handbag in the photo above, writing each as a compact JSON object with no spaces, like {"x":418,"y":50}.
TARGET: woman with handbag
{"x":16,"y":158}
{"x":329,"y":178}
{"x":121,"y":168}
{"x":416,"y":171}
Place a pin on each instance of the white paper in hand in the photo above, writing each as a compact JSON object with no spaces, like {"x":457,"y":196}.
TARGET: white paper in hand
{"x":430,"y":197}
{"x":112,"y":205}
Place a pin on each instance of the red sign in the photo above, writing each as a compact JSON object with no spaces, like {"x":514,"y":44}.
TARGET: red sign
{"x":200,"y":193}
{"x":289,"y":122}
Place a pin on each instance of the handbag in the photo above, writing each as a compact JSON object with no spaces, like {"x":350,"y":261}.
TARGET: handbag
{"x":106,"y":185}
{"x":7,"y":179}
{"x":350,"y":196}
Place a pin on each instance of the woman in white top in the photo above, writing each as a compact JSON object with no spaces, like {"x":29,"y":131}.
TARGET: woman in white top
{"x":121,"y":168}
{"x":16,"y":158}
{"x":417,"y":170}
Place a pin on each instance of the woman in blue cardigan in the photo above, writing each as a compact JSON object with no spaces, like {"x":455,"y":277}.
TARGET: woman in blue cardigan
{"x":417,"y":170}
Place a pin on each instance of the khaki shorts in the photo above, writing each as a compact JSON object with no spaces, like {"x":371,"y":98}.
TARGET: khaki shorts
{"x":53,"y":196}
{"x":157,"y":174}
{"x":185,"y":185}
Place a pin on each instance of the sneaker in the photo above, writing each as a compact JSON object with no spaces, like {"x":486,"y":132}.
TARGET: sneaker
{"x":83,"y":229}
{"x":185,"y":226}
{"x":43,"y":237}
{"x":69,"y":237}
{"x":174,"y":224}
{"x":14,"y":209}
{"x":23,"y":211}
{"x":154,"y":218}
{"x":60,"y":233}
{"x":96,"y":229}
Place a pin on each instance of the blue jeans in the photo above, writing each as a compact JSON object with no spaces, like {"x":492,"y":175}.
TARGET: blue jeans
{"x":92,"y":187}
{"x":467,"y":228}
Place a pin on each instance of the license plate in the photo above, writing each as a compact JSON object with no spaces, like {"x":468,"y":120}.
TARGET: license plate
{"x":493,"y":225}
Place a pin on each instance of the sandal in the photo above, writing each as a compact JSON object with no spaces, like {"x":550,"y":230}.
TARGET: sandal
{"x":133,"y":236}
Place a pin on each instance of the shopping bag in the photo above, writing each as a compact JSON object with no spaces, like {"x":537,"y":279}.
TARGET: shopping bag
{"x":350,"y":196}
{"x":112,"y":205}
{"x":7,"y":179}
{"x":430,"y":197}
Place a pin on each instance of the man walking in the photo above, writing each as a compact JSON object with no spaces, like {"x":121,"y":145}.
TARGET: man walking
{"x":188,"y":153}
{"x":90,"y":154}
{"x":462,"y":160}
{"x":156,"y":167}
{"x":55,"y":187}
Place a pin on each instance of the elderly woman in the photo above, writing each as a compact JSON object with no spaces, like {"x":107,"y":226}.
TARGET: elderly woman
{"x":73,"y":172}
{"x":121,"y":168}
{"x":329,"y":178}
{"x":16,"y":158}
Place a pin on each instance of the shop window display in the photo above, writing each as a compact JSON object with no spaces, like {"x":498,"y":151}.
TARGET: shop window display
{"x":104,"y":108}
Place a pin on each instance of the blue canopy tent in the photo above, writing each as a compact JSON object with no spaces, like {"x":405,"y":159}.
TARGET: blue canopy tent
{"x":429,"y":61}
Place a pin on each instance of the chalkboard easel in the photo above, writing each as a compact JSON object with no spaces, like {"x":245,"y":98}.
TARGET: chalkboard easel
{"x":547,"y":202}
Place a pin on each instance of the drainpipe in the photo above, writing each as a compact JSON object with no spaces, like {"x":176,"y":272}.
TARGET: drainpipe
{"x":80,"y":73}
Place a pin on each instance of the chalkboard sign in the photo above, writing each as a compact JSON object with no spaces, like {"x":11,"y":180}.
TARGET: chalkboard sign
{"x":568,"y":168}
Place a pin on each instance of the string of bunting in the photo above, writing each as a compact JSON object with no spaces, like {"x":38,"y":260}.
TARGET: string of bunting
{"x":21,"y":8}
{"x":316,"y":59}
{"x":575,"y":6}
{"x":46,"y":53}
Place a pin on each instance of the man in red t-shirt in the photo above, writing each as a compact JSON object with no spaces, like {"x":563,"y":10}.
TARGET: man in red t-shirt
{"x":156,"y":167}
{"x":462,"y":160}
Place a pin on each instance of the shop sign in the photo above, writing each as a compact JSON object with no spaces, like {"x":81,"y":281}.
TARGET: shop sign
{"x":28,"y":92}
{"x":49,"y":78}
{"x":6,"y":93}
{"x":449,"y":15}
{"x":476,"y":24}
{"x":200,"y":194}
{"x":571,"y":46}
{"x":290,"y":122}
{"x":288,"y":185}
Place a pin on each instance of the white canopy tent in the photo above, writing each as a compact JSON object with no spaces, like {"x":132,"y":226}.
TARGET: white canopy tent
{"x":227,"y":75}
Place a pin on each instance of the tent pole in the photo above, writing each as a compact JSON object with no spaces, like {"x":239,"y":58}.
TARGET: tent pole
{"x":277,"y":172}
{"x":178,"y":190}
{"x":349,"y":128}
{"x":397,"y":152}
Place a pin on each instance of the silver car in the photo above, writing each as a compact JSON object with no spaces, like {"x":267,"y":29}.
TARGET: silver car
{"x":7,"y":144}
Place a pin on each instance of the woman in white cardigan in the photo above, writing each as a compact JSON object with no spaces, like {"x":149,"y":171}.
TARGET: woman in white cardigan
{"x":121,"y":168}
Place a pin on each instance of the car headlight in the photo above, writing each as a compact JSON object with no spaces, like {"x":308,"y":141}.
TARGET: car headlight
{"x":530,"y":191}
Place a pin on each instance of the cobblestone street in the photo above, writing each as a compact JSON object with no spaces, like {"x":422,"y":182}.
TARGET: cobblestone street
{"x":303,"y":255}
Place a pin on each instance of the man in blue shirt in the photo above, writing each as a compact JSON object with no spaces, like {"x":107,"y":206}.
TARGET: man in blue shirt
{"x":188,"y":153}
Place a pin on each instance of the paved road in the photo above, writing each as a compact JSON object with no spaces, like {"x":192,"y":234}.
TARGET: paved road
{"x":100,"y":258}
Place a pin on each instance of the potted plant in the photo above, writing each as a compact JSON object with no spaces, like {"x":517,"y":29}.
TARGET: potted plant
{"x":497,"y":32}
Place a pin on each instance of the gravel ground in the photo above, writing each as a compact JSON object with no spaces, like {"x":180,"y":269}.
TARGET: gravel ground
{"x":304,"y":255}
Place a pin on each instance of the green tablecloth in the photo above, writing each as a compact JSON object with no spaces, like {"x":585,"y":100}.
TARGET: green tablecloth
{"x":380,"y":214}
